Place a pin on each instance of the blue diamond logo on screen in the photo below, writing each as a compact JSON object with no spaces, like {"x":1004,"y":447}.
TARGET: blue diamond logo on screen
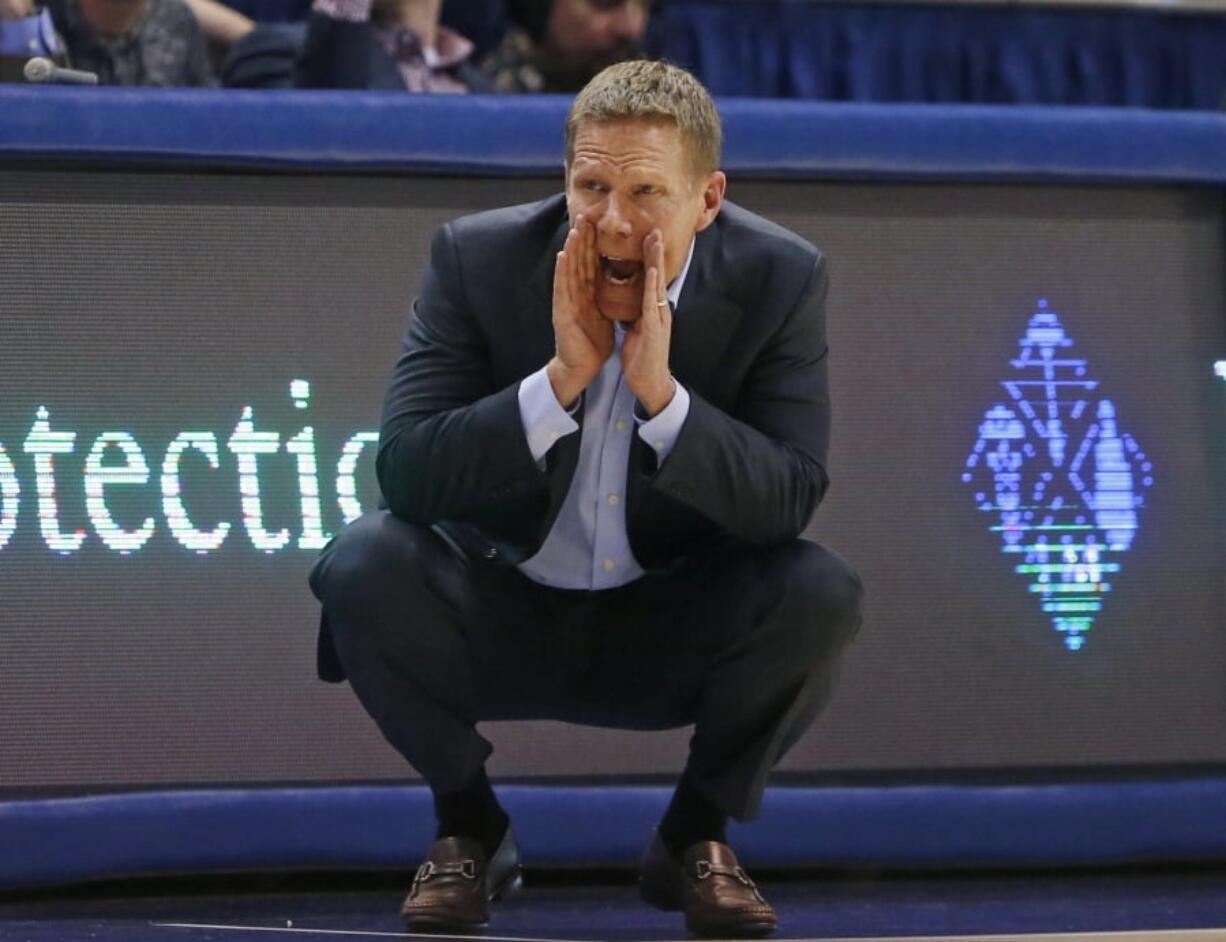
{"x":1059,"y":478}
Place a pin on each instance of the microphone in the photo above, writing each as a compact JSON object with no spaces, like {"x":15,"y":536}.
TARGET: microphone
{"x":43,"y":71}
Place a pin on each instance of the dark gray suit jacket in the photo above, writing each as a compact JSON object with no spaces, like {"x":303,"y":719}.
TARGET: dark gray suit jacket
{"x":749,"y":344}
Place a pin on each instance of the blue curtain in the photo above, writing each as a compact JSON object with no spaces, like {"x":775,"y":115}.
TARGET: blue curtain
{"x":929,"y":53}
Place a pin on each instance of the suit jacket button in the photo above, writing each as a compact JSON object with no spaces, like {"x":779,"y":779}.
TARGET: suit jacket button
{"x":491,"y":552}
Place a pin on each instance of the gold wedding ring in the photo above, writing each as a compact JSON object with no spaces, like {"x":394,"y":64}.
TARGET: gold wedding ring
{"x":661,"y":304}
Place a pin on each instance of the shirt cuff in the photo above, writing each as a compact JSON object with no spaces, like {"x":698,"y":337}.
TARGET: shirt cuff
{"x":544,"y":419}
{"x":352,"y":11}
{"x":661,"y":432}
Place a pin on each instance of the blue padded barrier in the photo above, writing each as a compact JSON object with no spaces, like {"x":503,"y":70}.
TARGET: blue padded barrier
{"x":486,"y":135}
{"x":1004,"y":53}
{"x":906,"y":826}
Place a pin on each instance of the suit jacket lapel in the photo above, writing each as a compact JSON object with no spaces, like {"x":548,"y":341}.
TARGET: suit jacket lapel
{"x":540,"y":281}
{"x":705,"y":319}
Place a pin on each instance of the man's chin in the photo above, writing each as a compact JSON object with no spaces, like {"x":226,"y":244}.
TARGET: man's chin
{"x":622,"y":316}
{"x":623,"y":306}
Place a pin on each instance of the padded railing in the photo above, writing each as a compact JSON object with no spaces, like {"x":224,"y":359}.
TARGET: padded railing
{"x":368,"y":131}
{"x":903,"y":826}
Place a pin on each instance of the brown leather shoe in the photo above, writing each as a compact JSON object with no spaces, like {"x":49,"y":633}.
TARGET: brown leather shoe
{"x":454,"y":887}
{"x":717,"y":896}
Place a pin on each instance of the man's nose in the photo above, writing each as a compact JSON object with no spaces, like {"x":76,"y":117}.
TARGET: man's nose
{"x":614,"y":221}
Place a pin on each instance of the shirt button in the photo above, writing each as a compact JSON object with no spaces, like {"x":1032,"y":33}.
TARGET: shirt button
{"x":621,"y":425}
{"x":658,"y":445}
{"x":609,"y":565}
{"x":553,"y":436}
{"x":613,"y":498}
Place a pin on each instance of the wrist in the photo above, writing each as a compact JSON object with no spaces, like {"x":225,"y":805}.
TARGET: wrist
{"x":657,"y":400}
{"x":567,"y":388}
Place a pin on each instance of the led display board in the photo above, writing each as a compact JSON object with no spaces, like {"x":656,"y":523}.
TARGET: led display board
{"x":1028,"y":467}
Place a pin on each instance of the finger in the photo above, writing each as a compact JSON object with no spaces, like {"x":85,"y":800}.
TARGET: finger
{"x":561,"y":272}
{"x":559,"y":282}
{"x":565,"y":278}
{"x":657,"y":261}
{"x":578,"y":266}
{"x":653,"y":248}
{"x":574,"y":282}
{"x":649,"y":242}
{"x":651,"y":296}
{"x":585,"y":269}
{"x":591,"y":263}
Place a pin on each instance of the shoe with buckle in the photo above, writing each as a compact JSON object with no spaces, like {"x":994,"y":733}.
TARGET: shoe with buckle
{"x":453,"y":888}
{"x":709,"y":886}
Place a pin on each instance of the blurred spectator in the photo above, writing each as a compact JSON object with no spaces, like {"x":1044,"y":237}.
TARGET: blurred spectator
{"x":220,"y":23}
{"x":273,"y":11}
{"x":134,"y":42}
{"x":362,"y":44}
{"x":24,"y":33}
{"x":484,"y":22}
{"x":558,"y":45}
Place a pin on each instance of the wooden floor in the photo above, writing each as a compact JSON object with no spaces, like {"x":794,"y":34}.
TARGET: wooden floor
{"x":1174,"y":935}
{"x":1158,"y":906}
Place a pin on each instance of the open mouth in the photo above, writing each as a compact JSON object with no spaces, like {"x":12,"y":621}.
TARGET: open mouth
{"x":620,"y":271}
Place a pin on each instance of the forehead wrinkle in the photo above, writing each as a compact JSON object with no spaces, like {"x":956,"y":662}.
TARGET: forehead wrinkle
{"x":625,"y":162}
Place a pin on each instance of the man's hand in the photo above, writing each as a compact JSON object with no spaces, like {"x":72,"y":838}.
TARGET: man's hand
{"x":645,"y":349}
{"x":16,"y":9}
{"x":583,"y":336}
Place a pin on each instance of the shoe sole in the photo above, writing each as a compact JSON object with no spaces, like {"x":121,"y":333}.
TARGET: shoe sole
{"x":508,"y":887}
{"x":733,"y":930}
{"x":429,"y":924}
{"x":427,"y":921}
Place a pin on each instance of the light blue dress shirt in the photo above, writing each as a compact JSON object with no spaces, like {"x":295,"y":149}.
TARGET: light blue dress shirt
{"x":588,"y":547}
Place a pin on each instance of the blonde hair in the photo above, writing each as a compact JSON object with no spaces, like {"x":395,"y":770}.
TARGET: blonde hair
{"x":653,"y":90}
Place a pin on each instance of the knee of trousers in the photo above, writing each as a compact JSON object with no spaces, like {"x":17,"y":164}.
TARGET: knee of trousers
{"x":375,"y":564}
{"x":823,"y":599}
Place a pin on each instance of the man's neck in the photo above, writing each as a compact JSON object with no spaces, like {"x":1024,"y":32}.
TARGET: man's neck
{"x":112,"y":18}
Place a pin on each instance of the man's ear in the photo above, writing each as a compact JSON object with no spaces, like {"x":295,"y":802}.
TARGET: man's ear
{"x":712,"y":199}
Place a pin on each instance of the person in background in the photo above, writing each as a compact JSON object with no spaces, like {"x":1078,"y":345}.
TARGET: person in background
{"x":134,"y":42}
{"x":482,"y":21}
{"x":559,"y":45}
{"x":222,"y":25}
{"x":385,"y":44}
{"x":26,"y":32}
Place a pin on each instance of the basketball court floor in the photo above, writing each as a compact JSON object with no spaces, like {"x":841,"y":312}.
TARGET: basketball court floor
{"x":1187,"y":905}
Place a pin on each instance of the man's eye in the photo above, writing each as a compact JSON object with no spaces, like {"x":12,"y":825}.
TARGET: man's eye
{"x":592,"y":185}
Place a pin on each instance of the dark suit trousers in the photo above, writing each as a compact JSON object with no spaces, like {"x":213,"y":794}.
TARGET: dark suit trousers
{"x":745,"y":646}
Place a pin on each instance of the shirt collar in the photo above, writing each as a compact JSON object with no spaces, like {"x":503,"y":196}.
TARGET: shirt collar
{"x":674,"y":290}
